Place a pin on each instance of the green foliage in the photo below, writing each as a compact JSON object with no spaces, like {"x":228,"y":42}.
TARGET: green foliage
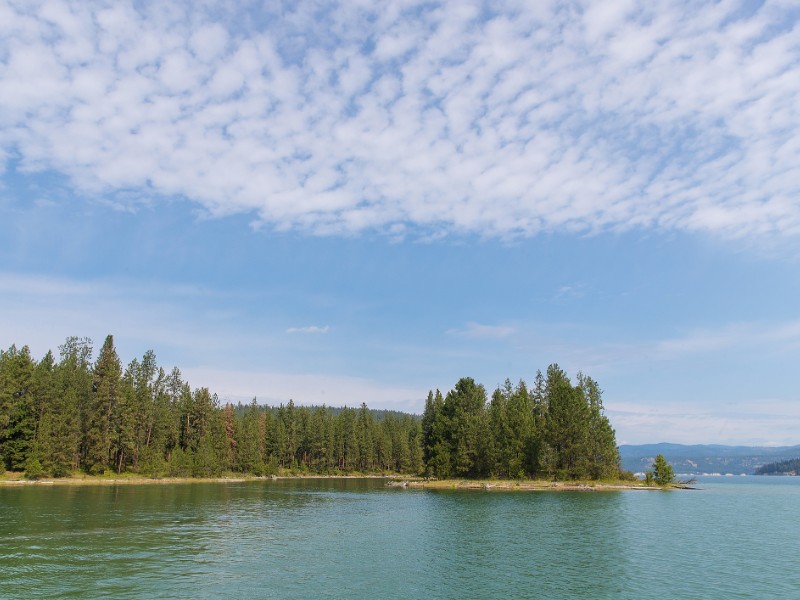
{"x":78,"y":414}
{"x":662,"y":473}
{"x":17,"y":409}
{"x":179,"y":463}
{"x":33,"y":468}
{"x":104,"y":406}
{"x":557,"y":429}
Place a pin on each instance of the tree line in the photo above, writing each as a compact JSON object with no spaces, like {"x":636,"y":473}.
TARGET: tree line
{"x":783,"y":467}
{"x":556,"y":429}
{"x":76,"y":413}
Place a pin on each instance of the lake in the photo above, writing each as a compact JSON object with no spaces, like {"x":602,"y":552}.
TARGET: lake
{"x":737,"y":538}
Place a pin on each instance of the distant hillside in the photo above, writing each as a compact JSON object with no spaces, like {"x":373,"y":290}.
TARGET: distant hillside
{"x":705,"y":458}
{"x":784,"y":467}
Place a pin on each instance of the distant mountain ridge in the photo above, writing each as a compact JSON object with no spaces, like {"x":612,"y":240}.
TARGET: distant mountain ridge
{"x":699,"y":459}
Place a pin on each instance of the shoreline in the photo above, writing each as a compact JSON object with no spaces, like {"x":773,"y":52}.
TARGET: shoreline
{"x":398,"y":481}
{"x":101,"y":480}
{"x":525,"y":485}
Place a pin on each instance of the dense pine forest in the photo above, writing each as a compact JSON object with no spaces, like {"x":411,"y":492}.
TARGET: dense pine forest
{"x":784,"y":467}
{"x":80,"y":414}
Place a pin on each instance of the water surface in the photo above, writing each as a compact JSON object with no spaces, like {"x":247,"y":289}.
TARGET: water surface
{"x":737,"y":538}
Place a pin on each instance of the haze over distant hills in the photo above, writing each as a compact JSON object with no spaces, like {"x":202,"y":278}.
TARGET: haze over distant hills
{"x":705,"y":458}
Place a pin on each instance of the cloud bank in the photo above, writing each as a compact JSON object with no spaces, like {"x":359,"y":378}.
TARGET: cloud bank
{"x":504,"y":119}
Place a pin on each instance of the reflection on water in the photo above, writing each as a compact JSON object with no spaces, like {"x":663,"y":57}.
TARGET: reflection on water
{"x":356,"y":538}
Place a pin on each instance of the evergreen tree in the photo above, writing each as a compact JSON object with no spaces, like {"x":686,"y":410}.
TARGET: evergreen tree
{"x":160,"y":431}
{"x":501,"y":438}
{"x":603,"y":454}
{"x":249,"y":457}
{"x":123,"y":421}
{"x":42,"y":393}
{"x":567,"y":430}
{"x":366,"y":440}
{"x":317,"y":433}
{"x":43,"y":389}
{"x":349,"y":455}
{"x":17,"y":407}
{"x":279,"y":452}
{"x":211,"y":444}
{"x":169,"y":415}
{"x":523,"y":456}
{"x":62,"y":427}
{"x":106,"y":394}
{"x":428,"y":420}
{"x":437,"y":445}
{"x":464,"y":406}
{"x":230,"y":458}
{"x":414,"y":431}
{"x":662,"y":471}
{"x":145,"y":387}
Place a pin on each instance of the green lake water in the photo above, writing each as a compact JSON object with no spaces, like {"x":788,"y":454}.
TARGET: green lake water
{"x":737,"y":538}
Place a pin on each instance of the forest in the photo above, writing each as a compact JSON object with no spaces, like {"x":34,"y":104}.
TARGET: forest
{"x":783,"y":467}
{"x":83,"y":414}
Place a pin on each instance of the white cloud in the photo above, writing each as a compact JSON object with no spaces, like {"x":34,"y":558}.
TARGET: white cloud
{"x":675,"y":116}
{"x":208,"y":41}
{"x":309,"y":329}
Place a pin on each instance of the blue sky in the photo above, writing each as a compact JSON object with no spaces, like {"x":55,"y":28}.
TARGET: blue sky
{"x":362,"y":201}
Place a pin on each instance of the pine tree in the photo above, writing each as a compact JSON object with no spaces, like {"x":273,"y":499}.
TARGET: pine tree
{"x":567,"y":430}
{"x":414,"y":429}
{"x":464,"y":406}
{"x":366,"y":440}
{"x":230,"y":458}
{"x":43,"y":392}
{"x":43,"y":389}
{"x":662,"y":471}
{"x":144,"y":405}
{"x":249,"y":457}
{"x":500,"y":441}
{"x":62,"y":426}
{"x":428,"y":420}
{"x":523,"y":449}
{"x":210,"y":441}
{"x":160,"y":431}
{"x":603,"y":454}
{"x":123,"y":421}
{"x":437,"y":445}
{"x":17,"y":410}
{"x":106,"y":393}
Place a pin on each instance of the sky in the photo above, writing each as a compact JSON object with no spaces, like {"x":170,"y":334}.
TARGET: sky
{"x":361,"y":201}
